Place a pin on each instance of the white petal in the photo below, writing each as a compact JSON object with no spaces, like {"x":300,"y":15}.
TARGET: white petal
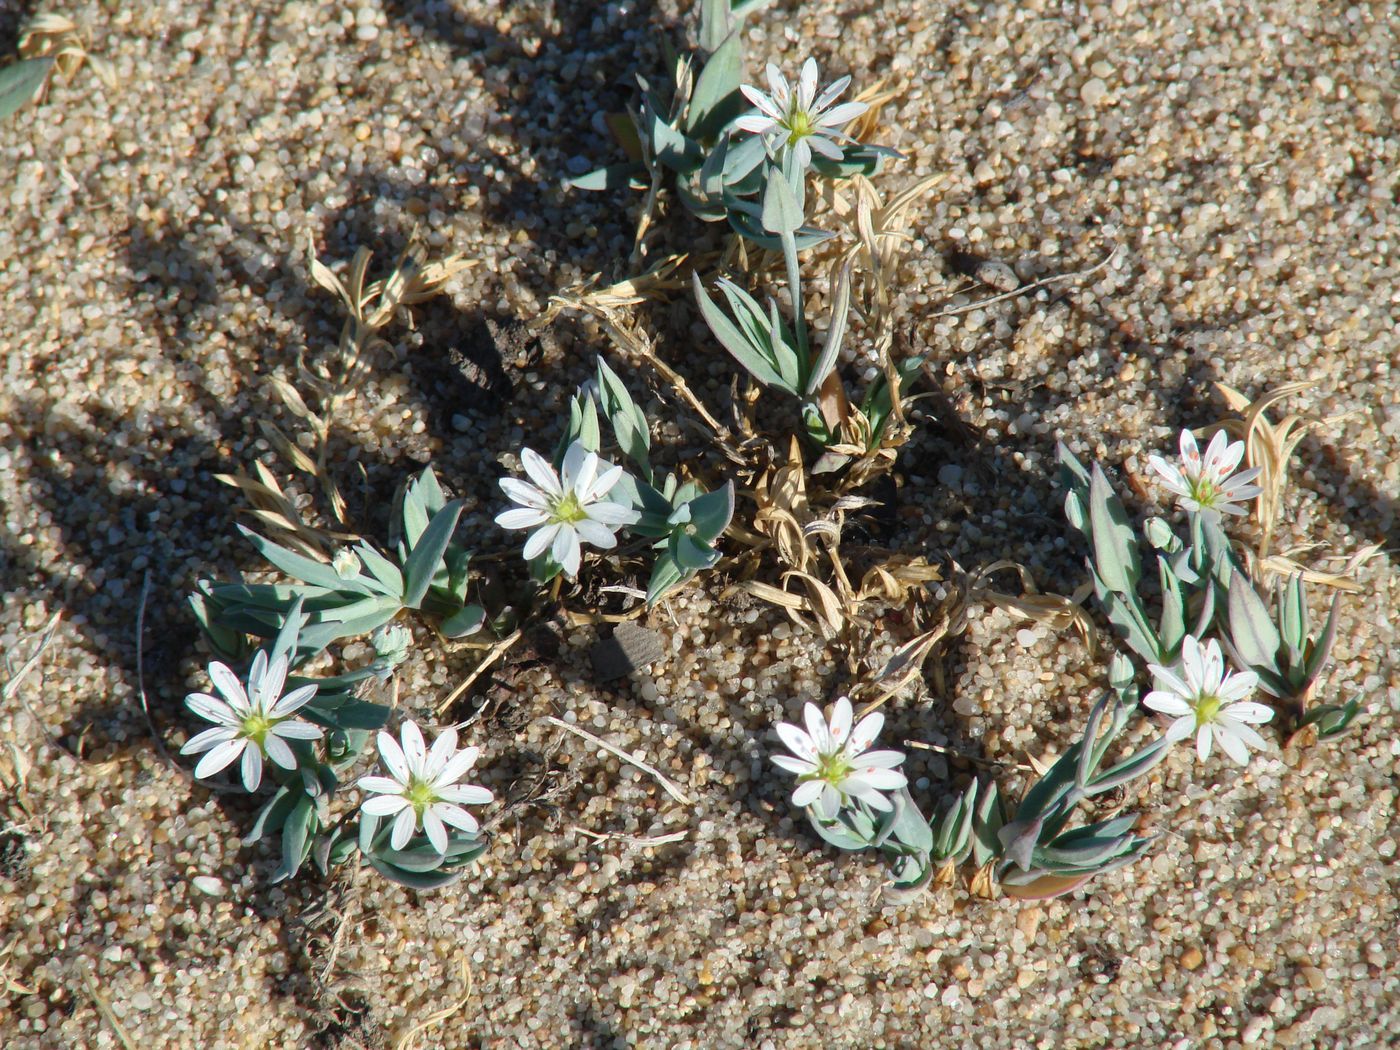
{"x":457,"y":765}
{"x":384,"y":805}
{"x":279,"y":752}
{"x":382,"y":785}
{"x":1234,"y":747}
{"x":219,"y":757}
{"x":841,"y":718}
{"x":807,"y":792}
{"x":1180,"y":729}
{"x":467,"y":795}
{"x":1190,"y":452}
{"x":800,"y":766}
{"x":595,"y":534}
{"x":575,"y":461}
{"x":273,"y":681}
{"x":414,"y":750}
{"x":207,"y":739}
{"x":832,"y":92}
{"x":873,"y":799}
{"x":758,"y":125}
{"x":1167,"y":703}
{"x":293,"y":701}
{"x":252,"y":768}
{"x":866,"y":732}
{"x":1248,"y":711}
{"x":1203,"y":736}
{"x":229,"y":687}
{"x":798,"y":742}
{"x":842,"y":114}
{"x":1171,"y":679}
{"x":566,"y":551}
{"x":393,"y":757}
{"x":807,"y":84}
{"x":881,"y":759}
{"x":540,"y":540}
{"x":213,"y":709}
{"x":296,"y":729}
{"x":526,"y":495}
{"x":602,"y":484}
{"x":824,"y":146}
{"x":611,"y":513}
{"x":778,"y":89}
{"x":444,"y":747}
{"x":880,"y":779}
{"x":256,"y":673}
{"x":541,"y":473}
{"x":437,"y":834}
{"x":1245,"y":733}
{"x":832,"y":800}
{"x":802,"y":153}
{"x":456,"y":816}
{"x":521,"y":518}
{"x":1237,"y":686}
{"x":817,"y":729}
{"x":404,"y":824}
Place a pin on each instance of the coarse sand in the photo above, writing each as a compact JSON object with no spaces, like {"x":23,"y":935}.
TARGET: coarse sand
{"x":1243,"y":157}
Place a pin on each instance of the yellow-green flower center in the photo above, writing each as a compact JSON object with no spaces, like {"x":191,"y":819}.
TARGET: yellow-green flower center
{"x":1206,"y":709}
{"x":255,"y":727}
{"x":420,"y":794}
{"x":832,"y":768}
{"x":1204,"y":492}
{"x":799,"y":125}
{"x":569,"y":510}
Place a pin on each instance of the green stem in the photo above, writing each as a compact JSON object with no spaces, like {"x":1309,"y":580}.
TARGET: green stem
{"x":799,"y":317}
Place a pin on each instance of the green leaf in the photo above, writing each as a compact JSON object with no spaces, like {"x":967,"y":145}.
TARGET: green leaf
{"x":465,"y":621}
{"x":316,"y":573}
{"x":1251,"y":627}
{"x":782,"y":212}
{"x":296,"y":838}
{"x":665,"y":574}
{"x":1173,"y":623}
{"x":672,"y":148}
{"x":1317,"y":657}
{"x":21,"y":81}
{"x":740,"y":348}
{"x":839,"y":833}
{"x":715,"y":23}
{"x":716,"y":99}
{"x":986,"y":826}
{"x":1115,"y":546}
{"x":382,"y":569}
{"x":423,"y":561}
{"x":1293,"y":613}
{"x":613,"y":177}
{"x":274,"y":812}
{"x":910,"y":827}
{"x":629,"y":423}
{"x":835,"y":332}
{"x":712,"y":512}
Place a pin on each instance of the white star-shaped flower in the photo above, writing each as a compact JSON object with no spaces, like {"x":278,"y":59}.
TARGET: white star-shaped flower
{"x":250,"y":723}
{"x":565,"y":511}
{"x":422,"y":786}
{"x":1205,"y":483}
{"x":1208,"y":702}
{"x":799,"y":119}
{"x":833,"y":762}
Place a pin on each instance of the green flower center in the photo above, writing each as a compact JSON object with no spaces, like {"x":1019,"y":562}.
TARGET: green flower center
{"x":569,"y":510}
{"x":255,"y":727}
{"x":832,"y":768}
{"x":799,"y":126}
{"x":1204,"y":492}
{"x":1206,"y":709}
{"x":420,"y":794}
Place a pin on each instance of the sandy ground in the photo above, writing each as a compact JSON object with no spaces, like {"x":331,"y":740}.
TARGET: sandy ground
{"x":154,"y":274}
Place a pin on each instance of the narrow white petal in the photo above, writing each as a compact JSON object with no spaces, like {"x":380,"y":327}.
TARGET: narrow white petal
{"x":213,"y":709}
{"x":404,"y":824}
{"x":229,"y":687}
{"x":612,"y":513}
{"x":219,"y":757}
{"x":207,"y":739}
{"x":800,"y":766}
{"x":755,"y":123}
{"x":1234,"y":747}
{"x":414,"y":750}
{"x":832,"y":799}
{"x":296,"y":729}
{"x":521,"y":518}
{"x":582,"y":482}
{"x":382,"y":785}
{"x":1248,"y":711}
{"x":437,"y":834}
{"x":467,"y":795}
{"x":841,"y":719}
{"x":293,"y":701}
{"x":393,"y":757}
{"x":1171,"y":680}
{"x":566,"y":551}
{"x":866,"y":732}
{"x":1237,"y":686}
{"x":807,"y":792}
{"x":457,"y":765}
{"x":1167,"y":703}
{"x":798,"y":742}
{"x":604,"y":483}
{"x":880,"y":759}
{"x":444,"y":747}
{"x":456,"y":816}
{"x":817,"y":729}
{"x":842,"y":114}
{"x":595,"y":534}
{"x":1180,"y":729}
{"x":252,"y":768}
{"x":256,"y":673}
{"x":384,"y":805}
{"x":880,"y":779}
{"x":832,"y":92}
{"x":824,"y":146}
{"x":777,"y":85}
{"x":540,"y":540}
{"x":1246,"y":733}
{"x":541,"y":472}
{"x":278,"y":750}
{"x":807,"y":84}
{"x":1203,"y":736}
{"x":802,"y":153}
{"x":873,"y":799}
{"x":526,"y":495}
{"x":273,"y":681}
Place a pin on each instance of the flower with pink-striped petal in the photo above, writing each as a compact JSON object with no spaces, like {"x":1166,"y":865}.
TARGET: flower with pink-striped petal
{"x":422,"y":787}
{"x":794,"y":117}
{"x":834,"y":763}
{"x":1207,"y":482}
{"x":1208,"y":702}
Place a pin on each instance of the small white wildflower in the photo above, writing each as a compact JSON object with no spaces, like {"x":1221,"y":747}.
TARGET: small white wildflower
{"x":250,"y":723}
{"x":833,"y":762}
{"x":1209,"y":702}
{"x":800,"y":119}
{"x":566,"y":511}
{"x":422,"y":787}
{"x":1205,"y":483}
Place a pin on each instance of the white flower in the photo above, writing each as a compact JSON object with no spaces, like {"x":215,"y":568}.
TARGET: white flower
{"x":565,"y":512}
{"x":252,"y":724}
{"x":800,"y":120}
{"x":1208,"y":702}
{"x":422,"y":787}
{"x":1205,"y":483}
{"x":833,"y":761}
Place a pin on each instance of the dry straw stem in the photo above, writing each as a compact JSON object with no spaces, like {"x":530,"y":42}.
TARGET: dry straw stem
{"x":53,"y":36}
{"x":105,"y":1011}
{"x":275,"y":510}
{"x":406,"y":1041}
{"x":656,"y":774}
{"x":1033,"y":286}
{"x":631,"y":840}
{"x":369,"y":307}
{"x":496,"y":651}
